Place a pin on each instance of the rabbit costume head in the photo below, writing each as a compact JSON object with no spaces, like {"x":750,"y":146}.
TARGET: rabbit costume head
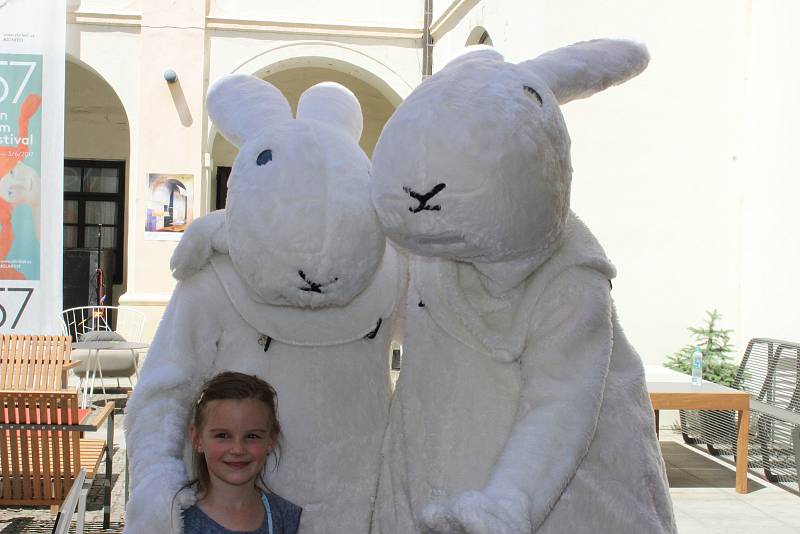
{"x":474,"y":165}
{"x":295,"y":185}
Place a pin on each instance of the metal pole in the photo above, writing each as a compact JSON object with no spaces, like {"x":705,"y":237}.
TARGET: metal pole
{"x":98,"y":271}
{"x":427,"y":41}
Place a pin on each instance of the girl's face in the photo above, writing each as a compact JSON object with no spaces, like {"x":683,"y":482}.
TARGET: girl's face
{"x":235,"y":440}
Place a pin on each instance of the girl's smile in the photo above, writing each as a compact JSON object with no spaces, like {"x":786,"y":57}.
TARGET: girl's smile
{"x":235,"y":440}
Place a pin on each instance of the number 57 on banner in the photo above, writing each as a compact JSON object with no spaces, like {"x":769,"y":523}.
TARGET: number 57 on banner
{"x":13,"y":301}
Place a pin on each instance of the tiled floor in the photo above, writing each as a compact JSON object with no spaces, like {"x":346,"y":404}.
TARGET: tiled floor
{"x":705,"y":501}
{"x":702,"y":489}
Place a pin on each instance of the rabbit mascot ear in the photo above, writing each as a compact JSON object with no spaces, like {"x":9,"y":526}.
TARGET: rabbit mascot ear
{"x":583,"y":69}
{"x":241,"y":106}
{"x":334,"y":105}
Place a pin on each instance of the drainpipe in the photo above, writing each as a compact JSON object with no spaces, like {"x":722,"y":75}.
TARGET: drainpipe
{"x":427,"y":41}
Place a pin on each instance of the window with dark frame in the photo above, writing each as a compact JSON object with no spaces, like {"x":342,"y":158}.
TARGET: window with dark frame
{"x":94,"y":195}
{"x":223,"y":173}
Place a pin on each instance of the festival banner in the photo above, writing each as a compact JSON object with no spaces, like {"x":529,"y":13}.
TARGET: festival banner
{"x":32,"y":57}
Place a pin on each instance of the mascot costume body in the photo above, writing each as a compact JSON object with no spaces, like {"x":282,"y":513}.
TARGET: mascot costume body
{"x":521,"y":406}
{"x":290,"y":283}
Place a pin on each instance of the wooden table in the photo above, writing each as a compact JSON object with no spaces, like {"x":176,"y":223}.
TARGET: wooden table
{"x":670,"y":390}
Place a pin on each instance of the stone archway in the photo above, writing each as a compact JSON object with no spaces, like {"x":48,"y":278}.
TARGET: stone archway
{"x":335,"y":56}
{"x":479,"y":35}
{"x":97,"y":163}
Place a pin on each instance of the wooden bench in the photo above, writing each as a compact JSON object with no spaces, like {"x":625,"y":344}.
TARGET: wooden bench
{"x":34,"y":362}
{"x":42,"y":452}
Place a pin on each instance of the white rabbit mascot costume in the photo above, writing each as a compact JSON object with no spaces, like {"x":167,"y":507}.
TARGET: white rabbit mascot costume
{"x":290,"y":283}
{"x":521,"y":406}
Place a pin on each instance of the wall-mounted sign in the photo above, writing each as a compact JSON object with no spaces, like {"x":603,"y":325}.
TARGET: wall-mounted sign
{"x":32,"y":40}
{"x":168,"y":206}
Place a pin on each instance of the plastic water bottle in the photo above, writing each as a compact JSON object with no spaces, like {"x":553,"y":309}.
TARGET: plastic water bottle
{"x":697,"y":367}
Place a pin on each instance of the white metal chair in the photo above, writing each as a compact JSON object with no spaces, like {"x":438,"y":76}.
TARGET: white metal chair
{"x":100,"y":324}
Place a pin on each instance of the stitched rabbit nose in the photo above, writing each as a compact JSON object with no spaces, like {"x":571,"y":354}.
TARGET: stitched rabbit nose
{"x":312,"y":286}
{"x":423,"y":198}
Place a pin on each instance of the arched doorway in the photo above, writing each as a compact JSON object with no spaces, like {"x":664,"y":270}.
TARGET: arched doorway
{"x":478,"y":36}
{"x":375,"y":106}
{"x":97,"y":156}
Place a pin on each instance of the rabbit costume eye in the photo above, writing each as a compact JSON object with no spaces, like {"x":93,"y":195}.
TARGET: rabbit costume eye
{"x":264,"y":157}
{"x":534,"y":93}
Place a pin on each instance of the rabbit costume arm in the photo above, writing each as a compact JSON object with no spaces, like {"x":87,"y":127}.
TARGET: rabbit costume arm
{"x":158,"y":414}
{"x":570,"y":347}
{"x":204,"y":236}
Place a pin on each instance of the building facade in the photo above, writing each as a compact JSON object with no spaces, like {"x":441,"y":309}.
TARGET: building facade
{"x":686,"y":173}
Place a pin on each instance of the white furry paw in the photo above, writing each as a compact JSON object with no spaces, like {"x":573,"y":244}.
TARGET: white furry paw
{"x":474,"y":512}
{"x":197,"y":245}
{"x":156,"y":507}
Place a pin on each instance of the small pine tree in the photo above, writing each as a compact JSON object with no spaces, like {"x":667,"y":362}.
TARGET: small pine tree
{"x":717,"y":350}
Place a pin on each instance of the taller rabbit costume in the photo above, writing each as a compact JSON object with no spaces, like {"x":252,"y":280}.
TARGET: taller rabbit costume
{"x":521,"y":406}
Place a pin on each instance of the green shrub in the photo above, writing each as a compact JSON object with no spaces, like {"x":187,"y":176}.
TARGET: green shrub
{"x":717,"y":350}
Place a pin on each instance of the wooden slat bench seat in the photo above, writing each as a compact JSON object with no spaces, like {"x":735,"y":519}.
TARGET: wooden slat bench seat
{"x":40,"y":461}
{"x":90,"y":454}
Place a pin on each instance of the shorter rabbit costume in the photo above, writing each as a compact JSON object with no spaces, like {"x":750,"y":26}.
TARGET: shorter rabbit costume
{"x":293,"y":282}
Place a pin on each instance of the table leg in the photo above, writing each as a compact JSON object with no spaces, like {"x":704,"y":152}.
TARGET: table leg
{"x":109,"y":470}
{"x":102,"y":380}
{"x":94,"y":372}
{"x":89,"y":367}
{"x":656,"y":414}
{"x":741,"y":451}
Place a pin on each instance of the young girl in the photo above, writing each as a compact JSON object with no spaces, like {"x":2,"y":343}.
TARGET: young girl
{"x":235,"y":429}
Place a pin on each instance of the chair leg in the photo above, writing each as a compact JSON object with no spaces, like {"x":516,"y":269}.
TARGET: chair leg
{"x":135,"y":368}
{"x":796,"y":446}
{"x":127,"y":478}
{"x":87,"y":483}
{"x":102,"y":380}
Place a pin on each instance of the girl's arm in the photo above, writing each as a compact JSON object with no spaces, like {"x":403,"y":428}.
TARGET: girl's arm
{"x":178,"y":361}
{"x":564,"y":370}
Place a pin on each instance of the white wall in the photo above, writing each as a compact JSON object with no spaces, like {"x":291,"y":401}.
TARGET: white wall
{"x":382,"y":13}
{"x":657,"y":161}
{"x":771,"y":246}
{"x":105,"y":6}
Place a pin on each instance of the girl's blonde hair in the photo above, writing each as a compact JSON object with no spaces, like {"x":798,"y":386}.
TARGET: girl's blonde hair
{"x":232,"y":386}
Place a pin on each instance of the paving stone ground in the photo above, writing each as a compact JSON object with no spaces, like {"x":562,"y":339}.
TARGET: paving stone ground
{"x":702,"y":489}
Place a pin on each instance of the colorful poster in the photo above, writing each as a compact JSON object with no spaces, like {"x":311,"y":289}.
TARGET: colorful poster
{"x":169,"y":206}
{"x":32,"y":60}
{"x":20,"y":165}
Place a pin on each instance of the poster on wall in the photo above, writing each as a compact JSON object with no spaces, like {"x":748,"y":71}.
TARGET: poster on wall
{"x":168,"y":206}
{"x":32,"y":57}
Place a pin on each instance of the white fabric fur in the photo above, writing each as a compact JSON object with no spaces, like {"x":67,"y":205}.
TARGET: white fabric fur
{"x":521,"y":407}
{"x":321,"y":339}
